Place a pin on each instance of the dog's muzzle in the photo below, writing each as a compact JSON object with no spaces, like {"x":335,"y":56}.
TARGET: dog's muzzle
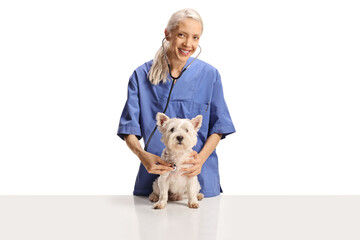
{"x":180,"y":138}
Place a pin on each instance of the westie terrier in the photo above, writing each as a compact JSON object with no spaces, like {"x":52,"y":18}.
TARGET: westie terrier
{"x":179,"y":137}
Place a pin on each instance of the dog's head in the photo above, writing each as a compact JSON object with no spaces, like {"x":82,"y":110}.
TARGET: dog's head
{"x":178,"y":134}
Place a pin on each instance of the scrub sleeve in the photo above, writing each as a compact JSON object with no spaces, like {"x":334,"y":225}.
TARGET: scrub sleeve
{"x":130,"y":117}
{"x":220,"y":120}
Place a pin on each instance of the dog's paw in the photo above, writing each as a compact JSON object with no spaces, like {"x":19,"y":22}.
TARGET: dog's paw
{"x":159,"y":205}
{"x":193,"y":205}
{"x":153,"y":197}
{"x":200,"y":196}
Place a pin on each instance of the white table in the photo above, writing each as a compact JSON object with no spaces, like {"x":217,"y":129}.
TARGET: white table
{"x":224,"y":217}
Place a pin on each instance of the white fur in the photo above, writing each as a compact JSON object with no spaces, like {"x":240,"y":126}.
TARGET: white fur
{"x":179,"y":137}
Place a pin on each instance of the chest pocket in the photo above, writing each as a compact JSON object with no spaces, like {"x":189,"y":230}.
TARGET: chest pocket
{"x":204,"y":110}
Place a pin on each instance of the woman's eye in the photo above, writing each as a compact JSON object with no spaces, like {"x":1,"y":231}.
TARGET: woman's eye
{"x":172,"y":130}
{"x":181,"y":35}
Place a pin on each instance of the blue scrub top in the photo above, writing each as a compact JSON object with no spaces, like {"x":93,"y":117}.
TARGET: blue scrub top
{"x":197,"y":91}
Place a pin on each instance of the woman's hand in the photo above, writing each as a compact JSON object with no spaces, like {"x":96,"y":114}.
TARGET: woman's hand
{"x":154,"y":164}
{"x":196,"y":160}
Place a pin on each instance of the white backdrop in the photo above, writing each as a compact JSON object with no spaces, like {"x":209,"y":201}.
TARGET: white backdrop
{"x":290,"y":71}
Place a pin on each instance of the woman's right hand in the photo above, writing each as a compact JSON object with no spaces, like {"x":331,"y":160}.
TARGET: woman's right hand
{"x":154,"y":164}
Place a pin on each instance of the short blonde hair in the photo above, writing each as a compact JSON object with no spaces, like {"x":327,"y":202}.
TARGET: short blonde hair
{"x":159,"y":69}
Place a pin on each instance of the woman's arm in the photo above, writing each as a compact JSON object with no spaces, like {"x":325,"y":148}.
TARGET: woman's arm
{"x":149,"y":160}
{"x":198,"y":159}
{"x":209,"y":146}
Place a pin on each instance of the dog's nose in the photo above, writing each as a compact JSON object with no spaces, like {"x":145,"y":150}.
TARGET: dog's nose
{"x":180,"y":138}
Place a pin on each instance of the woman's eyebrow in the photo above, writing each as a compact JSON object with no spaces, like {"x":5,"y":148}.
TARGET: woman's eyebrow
{"x":195,"y":34}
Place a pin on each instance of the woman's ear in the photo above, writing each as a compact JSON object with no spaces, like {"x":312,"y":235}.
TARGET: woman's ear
{"x":167,"y":35}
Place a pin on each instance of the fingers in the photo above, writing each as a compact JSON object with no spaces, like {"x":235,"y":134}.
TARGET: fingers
{"x":159,"y":171}
{"x":191,"y":171}
{"x":162,"y":162}
{"x":154,"y":164}
{"x":195,"y":169}
{"x":193,"y":154}
{"x":193,"y":158}
{"x":159,"y":168}
{"x":191,"y":161}
{"x":163,"y":167}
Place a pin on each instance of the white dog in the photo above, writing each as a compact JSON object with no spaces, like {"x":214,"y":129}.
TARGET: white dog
{"x":179,"y":137}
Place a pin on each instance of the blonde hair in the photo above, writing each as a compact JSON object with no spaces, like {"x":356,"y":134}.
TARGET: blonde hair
{"x":159,"y":69}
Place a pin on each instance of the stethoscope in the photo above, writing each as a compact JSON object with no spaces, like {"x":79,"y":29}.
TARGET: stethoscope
{"x":168,"y":63}
{"x":174,"y":79}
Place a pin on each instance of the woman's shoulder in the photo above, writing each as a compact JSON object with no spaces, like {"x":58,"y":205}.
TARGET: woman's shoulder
{"x":207,"y":67}
{"x":145,"y":67}
{"x":208,"y":71}
{"x":141,"y":72}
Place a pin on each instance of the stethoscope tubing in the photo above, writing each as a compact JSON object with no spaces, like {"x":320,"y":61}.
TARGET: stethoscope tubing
{"x":168,"y":63}
{"x":172,"y":86}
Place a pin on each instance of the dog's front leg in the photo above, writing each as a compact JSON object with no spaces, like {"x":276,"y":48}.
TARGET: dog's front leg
{"x":163,"y":182}
{"x":193,"y":188}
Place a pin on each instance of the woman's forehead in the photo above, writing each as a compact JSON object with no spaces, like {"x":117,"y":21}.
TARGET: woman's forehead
{"x":189,"y":26}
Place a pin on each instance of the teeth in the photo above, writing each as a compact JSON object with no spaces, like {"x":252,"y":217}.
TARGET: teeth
{"x":186,"y":52}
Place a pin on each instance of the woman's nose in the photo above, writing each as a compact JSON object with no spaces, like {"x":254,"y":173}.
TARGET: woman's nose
{"x":187,"y":42}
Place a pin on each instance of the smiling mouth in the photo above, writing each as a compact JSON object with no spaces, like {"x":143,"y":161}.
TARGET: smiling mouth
{"x":184,"y":52}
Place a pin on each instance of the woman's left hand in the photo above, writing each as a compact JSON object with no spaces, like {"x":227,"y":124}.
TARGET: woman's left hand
{"x":196,"y":161}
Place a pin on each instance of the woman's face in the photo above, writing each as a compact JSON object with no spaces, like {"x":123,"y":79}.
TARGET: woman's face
{"x":184,"y":40}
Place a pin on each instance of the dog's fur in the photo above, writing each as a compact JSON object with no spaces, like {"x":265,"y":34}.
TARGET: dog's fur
{"x":179,"y":137}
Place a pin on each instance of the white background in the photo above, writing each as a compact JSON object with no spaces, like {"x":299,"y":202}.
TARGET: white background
{"x":290,"y":71}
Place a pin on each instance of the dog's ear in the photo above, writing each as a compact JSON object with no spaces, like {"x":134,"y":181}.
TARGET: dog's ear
{"x":161,"y":118}
{"x":196,"y":122}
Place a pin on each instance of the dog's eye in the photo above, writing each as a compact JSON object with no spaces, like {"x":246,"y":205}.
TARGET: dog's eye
{"x":172,"y":130}
{"x":187,"y":130}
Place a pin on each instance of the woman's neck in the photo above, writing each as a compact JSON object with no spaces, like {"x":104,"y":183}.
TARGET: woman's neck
{"x":176,"y":67}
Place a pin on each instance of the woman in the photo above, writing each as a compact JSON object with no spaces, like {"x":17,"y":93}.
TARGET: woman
{"x":198,"y":90}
